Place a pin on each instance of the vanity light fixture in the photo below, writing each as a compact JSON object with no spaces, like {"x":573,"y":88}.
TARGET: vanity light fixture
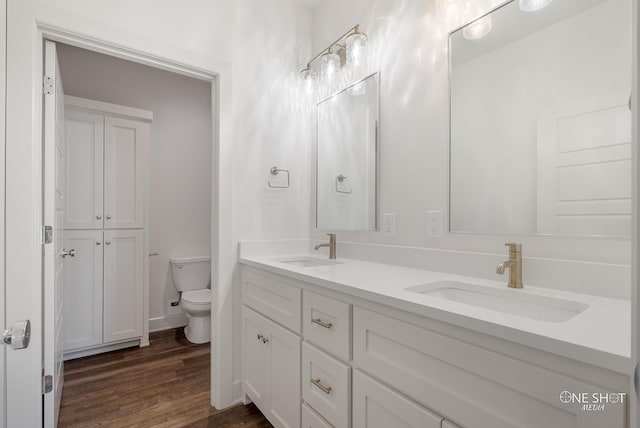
{"x":329,"y":65}
{"x":309,"y":79}
{"x":336,"y":55}
{"x":478,"y":28}
{"x":533,"y":5}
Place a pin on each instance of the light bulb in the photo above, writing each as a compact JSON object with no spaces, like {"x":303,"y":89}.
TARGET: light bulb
{"x":309,"y":78}
{"x":533,"y":5}
{"x":329,"y":66}
{"x":478,"y":28}
{"x":356,"y":43}
{"x":451,"y":12}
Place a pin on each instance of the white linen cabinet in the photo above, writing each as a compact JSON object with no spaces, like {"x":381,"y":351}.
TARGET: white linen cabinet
{"x":105,"y":176}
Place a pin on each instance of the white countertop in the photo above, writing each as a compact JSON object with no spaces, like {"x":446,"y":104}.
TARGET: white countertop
{"x":599,"y":336}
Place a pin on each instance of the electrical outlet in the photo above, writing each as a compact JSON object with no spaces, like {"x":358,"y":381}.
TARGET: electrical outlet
{"x":434,"y":224}
{"x":389,"y":224}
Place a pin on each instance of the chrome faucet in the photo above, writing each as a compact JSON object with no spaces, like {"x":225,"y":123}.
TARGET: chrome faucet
{"x":514,"y":264}
{"x":331,"y":244}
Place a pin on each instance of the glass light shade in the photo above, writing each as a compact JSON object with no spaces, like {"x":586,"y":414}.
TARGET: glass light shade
{"x":329,"y":66}
{"x":451,"y":11}
{"x":478,"y":28}
{"x":309,"y":79}
{"x":533,"y":5}
{"x":356,"y":45}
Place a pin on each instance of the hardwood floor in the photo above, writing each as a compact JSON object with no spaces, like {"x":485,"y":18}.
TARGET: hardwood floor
{"x":163,"y":385}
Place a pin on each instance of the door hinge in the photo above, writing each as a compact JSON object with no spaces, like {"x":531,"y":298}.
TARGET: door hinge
{"x":47,"y":384}
{"x":47,"y":85}
{"x":47,"y":234}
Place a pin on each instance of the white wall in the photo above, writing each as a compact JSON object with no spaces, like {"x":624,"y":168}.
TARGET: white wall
{"x":408,"y":44}
{"x":494,"y":155}
{"x":180,"y":164}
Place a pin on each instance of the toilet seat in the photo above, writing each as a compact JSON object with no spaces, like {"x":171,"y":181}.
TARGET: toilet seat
{"x":198,"y":297}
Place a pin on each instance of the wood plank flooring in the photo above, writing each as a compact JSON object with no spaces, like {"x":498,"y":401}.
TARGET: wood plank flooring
{"x":163,"y":385}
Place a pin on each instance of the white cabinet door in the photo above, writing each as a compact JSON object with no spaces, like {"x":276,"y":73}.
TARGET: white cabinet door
{"x":256,"y":360}
{"x":124,"y":150}
{"x":271,"y":369}
{"x":123,"y":261}
{"x":84,"y":140}
{"x":285,"y":378}
{"x":377,"y":406}
{"x":83,"y":289}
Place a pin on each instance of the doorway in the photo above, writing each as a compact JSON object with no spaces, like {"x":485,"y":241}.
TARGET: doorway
{"x":138,"y":171}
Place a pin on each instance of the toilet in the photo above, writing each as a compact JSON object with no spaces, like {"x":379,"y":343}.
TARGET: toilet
{"x":192,"y":277}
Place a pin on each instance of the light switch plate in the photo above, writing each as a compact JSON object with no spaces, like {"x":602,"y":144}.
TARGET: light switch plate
{"x":389,"y":224}
{"x":434,"y":224}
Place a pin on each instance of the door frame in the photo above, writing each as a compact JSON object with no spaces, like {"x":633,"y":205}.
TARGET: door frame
{"x":25,"y":383}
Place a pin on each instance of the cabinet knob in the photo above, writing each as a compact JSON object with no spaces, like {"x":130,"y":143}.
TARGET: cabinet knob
{"x":108,"y":217}
{"x":98,"y":217}
{"x":98,"y":242}
{"x":107,"y":242}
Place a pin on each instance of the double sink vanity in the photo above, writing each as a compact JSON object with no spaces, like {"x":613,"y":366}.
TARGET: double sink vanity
{"x":539,"y":151}
{"x":341,"y":343}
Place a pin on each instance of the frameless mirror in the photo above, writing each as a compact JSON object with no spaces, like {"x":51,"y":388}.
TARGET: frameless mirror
{"x":540,"y":120}
{"x":346,"y":158}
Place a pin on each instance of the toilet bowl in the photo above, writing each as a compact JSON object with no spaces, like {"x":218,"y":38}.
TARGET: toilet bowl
{"x":192,"y":277}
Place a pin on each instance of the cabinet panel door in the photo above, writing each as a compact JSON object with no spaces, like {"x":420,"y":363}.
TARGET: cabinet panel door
{"x":326,"y":385}
{"x":123,"y":252}
{"x":84,"y":141}
{"x":377,"y":406}
{"x":285,"y":378}
{"x":256,"y":359}
{"x":83,"y":289}
{"x":125,"y":147}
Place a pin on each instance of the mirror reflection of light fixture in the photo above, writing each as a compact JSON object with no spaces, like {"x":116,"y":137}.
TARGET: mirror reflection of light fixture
{"x":533,"y":5}
{"x":309,"y":78}
{"x":478,"y":28}
{"x":332,"y":58}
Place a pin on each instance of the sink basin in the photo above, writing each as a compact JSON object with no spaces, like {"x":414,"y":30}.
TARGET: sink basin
{"x":507,"y":301}
{"x":308,"y":262}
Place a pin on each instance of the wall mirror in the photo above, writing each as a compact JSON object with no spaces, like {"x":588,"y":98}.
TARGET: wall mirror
{"x":540,"y":120}
{"x":346,"y":158}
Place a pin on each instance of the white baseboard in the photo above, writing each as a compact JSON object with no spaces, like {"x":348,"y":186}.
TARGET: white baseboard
{"x":167,"y":322}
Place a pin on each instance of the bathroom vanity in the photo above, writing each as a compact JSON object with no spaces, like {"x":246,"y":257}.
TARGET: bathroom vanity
{"x":351,"y":343}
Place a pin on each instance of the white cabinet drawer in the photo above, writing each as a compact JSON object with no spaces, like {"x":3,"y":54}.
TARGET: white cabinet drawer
{"x":471,"y":385}
{"x":273,"y":298}
{"x":326,"y":322}
{"x":310,"y":419}
{"x":377,"y":406}
{"x":326,"y":385}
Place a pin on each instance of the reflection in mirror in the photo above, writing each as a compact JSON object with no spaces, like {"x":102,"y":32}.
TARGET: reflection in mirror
{"x":540,"y":122}
{"x":346,"y":162}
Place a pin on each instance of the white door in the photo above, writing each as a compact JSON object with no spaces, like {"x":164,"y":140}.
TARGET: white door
{"x":3,"y":349}
{"x":54,"y":253}
{"x":84,"y":142}
{"x":584,"y":165}
{"x":83,"y":289}
{"x":256,"y":359}
{"x":124,"y":146}
{"x":122,"y":305}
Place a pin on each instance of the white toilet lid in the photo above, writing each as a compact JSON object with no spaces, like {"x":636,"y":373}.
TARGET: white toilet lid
{"x":197,"y":296}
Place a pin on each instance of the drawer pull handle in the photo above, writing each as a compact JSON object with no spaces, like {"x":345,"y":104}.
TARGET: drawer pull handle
{"x":321,"y":323}
{"x":325,"y":389}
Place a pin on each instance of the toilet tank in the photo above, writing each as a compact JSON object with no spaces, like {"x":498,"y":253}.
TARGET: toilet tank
{"x":191,"y":273}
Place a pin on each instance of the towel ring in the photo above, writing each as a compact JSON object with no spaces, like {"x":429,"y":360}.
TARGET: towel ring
{"x":276,"y":171}
{"x":340,"y":179}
